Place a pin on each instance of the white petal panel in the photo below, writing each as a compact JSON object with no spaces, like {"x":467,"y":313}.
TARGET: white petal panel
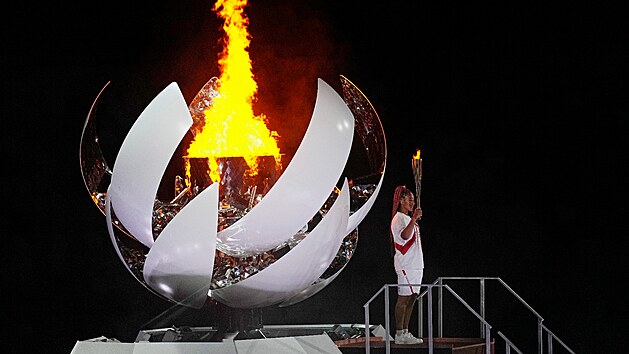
{"x":143,"y":158}
{"x":112,"y":236}
{"x":358,"y":216}
{"x":110,"y":228}
{"x":296,"y":270}
{"x":305,"y":184}
{"x":310,"y":291}
{"x":354,"y":220}
{"x":179,"y":265}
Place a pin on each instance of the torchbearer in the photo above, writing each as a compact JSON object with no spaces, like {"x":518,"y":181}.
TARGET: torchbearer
{"x":408,"y":256}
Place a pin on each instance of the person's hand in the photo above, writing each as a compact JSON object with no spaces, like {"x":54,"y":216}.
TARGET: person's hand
{"x":417,"y":214}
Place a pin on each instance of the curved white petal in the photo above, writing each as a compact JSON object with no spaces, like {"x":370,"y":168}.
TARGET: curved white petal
{"x":307,"y":292}
{"x":356,"y":218}
{"x":305,"y":184}
{"x":110,"y":227}
{"x":310,"y":291}
{"x":143,"y":158}
{"x":296,"y":270}
{"x":179,"y":265}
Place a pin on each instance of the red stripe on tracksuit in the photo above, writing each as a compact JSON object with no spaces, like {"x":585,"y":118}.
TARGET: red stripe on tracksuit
{"x":407,"y":245}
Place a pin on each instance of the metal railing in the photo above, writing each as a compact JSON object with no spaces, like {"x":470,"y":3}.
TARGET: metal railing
{"x":541,"y":329}
{"x":486,"y":326}
{"x":550,"y":337}
{"x":508,"y":344}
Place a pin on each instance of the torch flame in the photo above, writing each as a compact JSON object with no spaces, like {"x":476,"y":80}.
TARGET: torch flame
{"x":231,"y":129}
{"x":416,"y":157}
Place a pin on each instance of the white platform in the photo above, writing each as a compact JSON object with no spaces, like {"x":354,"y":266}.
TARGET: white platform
{"x":314,"y":344}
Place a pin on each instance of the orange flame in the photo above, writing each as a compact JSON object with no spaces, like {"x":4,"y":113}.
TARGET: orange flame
{"x":231,"y":129}
{"x":416,"y":157}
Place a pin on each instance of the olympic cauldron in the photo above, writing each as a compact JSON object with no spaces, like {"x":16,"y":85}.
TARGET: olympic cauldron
{"x":240,"y":242}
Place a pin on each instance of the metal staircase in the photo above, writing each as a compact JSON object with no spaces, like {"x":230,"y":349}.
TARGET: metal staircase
{"x":546,"y":339}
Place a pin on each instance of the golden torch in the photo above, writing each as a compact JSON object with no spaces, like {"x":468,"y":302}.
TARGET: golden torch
{"x":417,"y":173}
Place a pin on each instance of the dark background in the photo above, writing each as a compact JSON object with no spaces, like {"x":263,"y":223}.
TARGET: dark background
{"x":520,"y":111}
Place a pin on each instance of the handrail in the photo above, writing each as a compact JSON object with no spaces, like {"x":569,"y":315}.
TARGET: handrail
{"x":550,"y":338}
{"x":508,"y":344}
{"x":429,"y":287}
{"x":540,"y":327}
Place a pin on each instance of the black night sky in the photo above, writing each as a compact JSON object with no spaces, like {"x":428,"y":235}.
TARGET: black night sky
{"x":520,"y":111}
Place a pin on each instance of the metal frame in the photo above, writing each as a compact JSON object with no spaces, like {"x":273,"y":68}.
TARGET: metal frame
{"x":385,"y":289}
{"x":484,"y":326}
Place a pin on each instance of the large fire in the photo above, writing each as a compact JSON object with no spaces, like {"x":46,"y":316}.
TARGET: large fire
{"x":231,"y":129}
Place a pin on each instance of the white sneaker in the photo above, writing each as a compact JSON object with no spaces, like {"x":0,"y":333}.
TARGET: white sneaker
{"x":402,"y":339}
{"x":412,"y":339}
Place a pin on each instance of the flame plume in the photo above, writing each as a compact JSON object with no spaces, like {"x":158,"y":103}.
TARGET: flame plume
{"x":231,"y":129}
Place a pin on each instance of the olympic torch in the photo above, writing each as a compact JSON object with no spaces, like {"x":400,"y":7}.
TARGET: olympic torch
{"x":417,"y":173}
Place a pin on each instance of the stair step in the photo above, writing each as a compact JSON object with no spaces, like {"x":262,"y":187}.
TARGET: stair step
{"x":440,"y":345}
